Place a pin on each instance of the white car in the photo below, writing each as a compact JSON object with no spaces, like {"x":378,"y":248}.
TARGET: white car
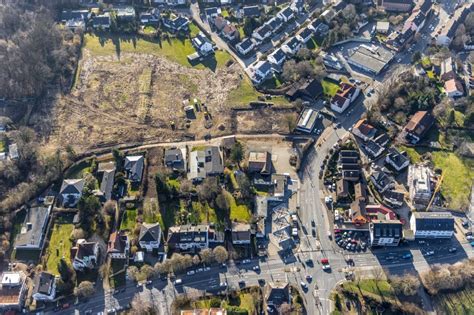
{"x":223,"y":284}
{"x":190,"y":272}
{"x":429,"y":253}
{"x":246,"y":261}
{"x":303,"y":285}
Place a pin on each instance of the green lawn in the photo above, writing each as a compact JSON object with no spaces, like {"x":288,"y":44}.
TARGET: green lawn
{"x":239,"y":213}
{"x":174,"y":49}
{"x":246,"y":93}
{"x":329,"y":88}
{"x":414,"y":156}
{"x":149,"y":29}
{"x":2,"y":146}
{"x":59,"y":246}
{"x":129,"y":219}
{"x":425,"y":62}
{"x":371,"y":286}
{"x":78,"y":170}
{"x":459,"y":174}
{"x":431,"y":74}
{"x":203,"y":212}
{"x":461,"y":302}
{"x":194,"y":29}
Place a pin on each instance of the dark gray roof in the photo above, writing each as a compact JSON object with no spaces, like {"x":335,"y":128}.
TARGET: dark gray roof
{"x":275,"y":22}
{"x":434,"y":221}
{"x":387,"y":228}
{"x":293,"y":43}
{"x":188,"y":234}
{"x":265,"y":66}
{"x":68,"y":15}
{"x":211,"y":11}
{"x":32,"y":229}
{"x":245,"y":44}
{"x":279,"y":54}
{"x":134,"y":165}
{"x":287,"y":12}
{"x":72,"y":186}
{"x":306,"y":33}
{"x":263,"y":30}
{"x":253,"y":10}
{"x":43,"y":283}
{"x":99,"y":20}
{"x":380,"y":179}
{"x":107,"y":183}
{"x":348,"y":153}
{"x":150,"y":232}
{"x":373,"y":148}
{"x":396,"y":157}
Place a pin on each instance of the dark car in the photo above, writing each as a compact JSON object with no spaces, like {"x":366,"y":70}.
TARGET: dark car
{"x":313,"y":232}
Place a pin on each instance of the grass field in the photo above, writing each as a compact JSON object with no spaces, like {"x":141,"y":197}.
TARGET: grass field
{"x":59,"y":246}
{"x":240,"y":213}
{"x":329,"y":88}
{"x":461,"y":302}
{"x":371,"y":286}
{"x":2,"y":146}
{"x":129,"y":219}
{"x":459,"y":174}
{"x":174,"y":49}
{"x":246,"y":93}
{"x":412,"y":153}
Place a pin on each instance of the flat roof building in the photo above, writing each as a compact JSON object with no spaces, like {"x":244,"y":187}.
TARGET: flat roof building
{"x":432,"y":224}
{"x":372,"y":59}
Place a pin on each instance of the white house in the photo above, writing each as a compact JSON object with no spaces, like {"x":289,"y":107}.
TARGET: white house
{"x":85,"y":255}
{"x":262,"y":33}
{"x":71,"y":192}
{"x":432,"y":224}
{"x":44,"y":287}
{"x":245,"y":46}
{"x":397,"y":160}
{"x":453,"y":88}
{"x":291,"y":46}
{"x":118,"y":246}
{"x":188,"y":237}
{"x":286,"y":14}
{"x":262,"y":71}
{"x":305,"y":35}
{"x":277,"y":57}
{"x":202,"y":44}
{"x":150,"y":236}
{"x":344,"y":97}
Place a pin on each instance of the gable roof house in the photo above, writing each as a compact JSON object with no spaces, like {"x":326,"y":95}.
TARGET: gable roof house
{"x":245,"y":46}
{"x":220,"y":22}
{"x":175,"y":158}
{"x":394,"y":198}
{"x":150,"y":236}
{"x":453,"y":88}
{"x":373,"y":148}
{"x":260,"y":162}
{"x":364,"y":130}
{"x":150,"y":17}
{"x":305,"y":35}
{"x":206,"y":161}
{"x":396,"y":5}
{"x":277,"y":57}
{"x":309,"y":90}
{"x":382,"y":181}
{"x":447,"y":71}
{"x":447,"y":34}
{"x":276,"y":294}
{"x":262,"y":33}
{"x":44,"y":287}
{"x":107,"y":182}
{"x":230,"y":32}
{"x":319,"y":27}
{"x":275,"y":23}
{"x":33,"y":230}
{"x":418,"y":125}
{"x":85,"y":255}
{"x":125,"y":14}
{"x":212,"y":12}
{"x":397,"y":160}
{"x":432,"y":224}
{"x":202,"y":44}
{"x":286,"y":14}
{"x":75,"y":18}
{"x":188,"y":237}
{"x":71,"y":192}
{"x":262,"y":71}
{"x":346,"y":94}
{"x":102,"y":21}
{"x":241,"y":233}
{"x":176,"y":24}
{"x":118,"y":246}
{"x":250,"y":11}
{"x":134,"y":165}
{"x":291,"y":46}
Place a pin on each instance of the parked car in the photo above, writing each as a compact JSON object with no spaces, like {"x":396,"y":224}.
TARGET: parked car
{"x":178,"y":281}
{"x":453,"y":249}
{"x":407,"y":256}
{"x":429,"y":253}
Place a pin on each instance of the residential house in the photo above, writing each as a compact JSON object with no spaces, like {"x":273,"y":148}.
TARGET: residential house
{"x":277,"y":293}
{"x":446,"y":70}
{"x":319,"y":27}
{"x":385,"y":232}
{"x":351,"y":175}
{"x":212,"y":12}
{"x":250,"y":11}
{"x":309,"y":90}
{"x":107,"y":182}
{"x":397,"y":160}
{"x":419,"y":184}
{"x":134,"y":165}
{"x":33,"y":230}
{"x":383,"y":27}
{"x":328,"y":15}
{"x":373,"y":149}
{"x":382,"y":139}
{"x":150,"y":17}
{"x":101,"y":21}
{"x":448,"y":32}
{"x":241,"y":234}
{"x":260,"y":162}
{"x":13,"y":151}
{"x":291,"y":46}
{"x":13,"y":290}
{"x":71,"y":192}
{"x":275,"y":23}
{"x":85,"y":255}
{"x":202,"y":44}
{"x":175,"y":158}
{"x":432,"y":224}
{"x":453,"y":88}
{"x":418,"y":125}
{"x":176,"y":24}
{"x":380,"y":212}
{"x":286,"y":14}
{"x":262,"y":33}
{"x":204,"y":162}
{"x":357,"y":212}
{"x":396,"y":5}
{"x":342,"y":189}
{"x":230,"y":32}
{"x":348,"y":154}
{"x":220,"y":22}
{"x":118,"y":246}
{"x":188,"y":237}
{"x":277,"y":57}
{"x":150,"y":236}
{"x":382,"y":181}
{"x":344,"y":97}
{"x":305,"y":35}
{"x":307,"y":120}
{"x":394,"y":198}
{"x":364,"y":130}
{"x":280,"y":185}
{"x":75,"y":18}
{"x":245,"y":46}
{"x":125,"y":14}
{"x":44,"y":287}
{"x":262,"y":71}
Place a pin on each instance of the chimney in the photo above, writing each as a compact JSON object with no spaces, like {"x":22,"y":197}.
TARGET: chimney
{"x":29,"y":225}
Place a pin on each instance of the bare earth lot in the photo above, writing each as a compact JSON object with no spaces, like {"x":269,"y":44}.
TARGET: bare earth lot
{"x":138,"y":96}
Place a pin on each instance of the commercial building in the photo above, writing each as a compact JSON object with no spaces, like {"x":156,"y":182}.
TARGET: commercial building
{"x":307,"y":120}
{"x":33,"y":230}
{"x":372,"y":59}
{"x":385,"y":232}
{"x":432,"y":224}
{"x":12,"y":291}
{"x":395,"y":5}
